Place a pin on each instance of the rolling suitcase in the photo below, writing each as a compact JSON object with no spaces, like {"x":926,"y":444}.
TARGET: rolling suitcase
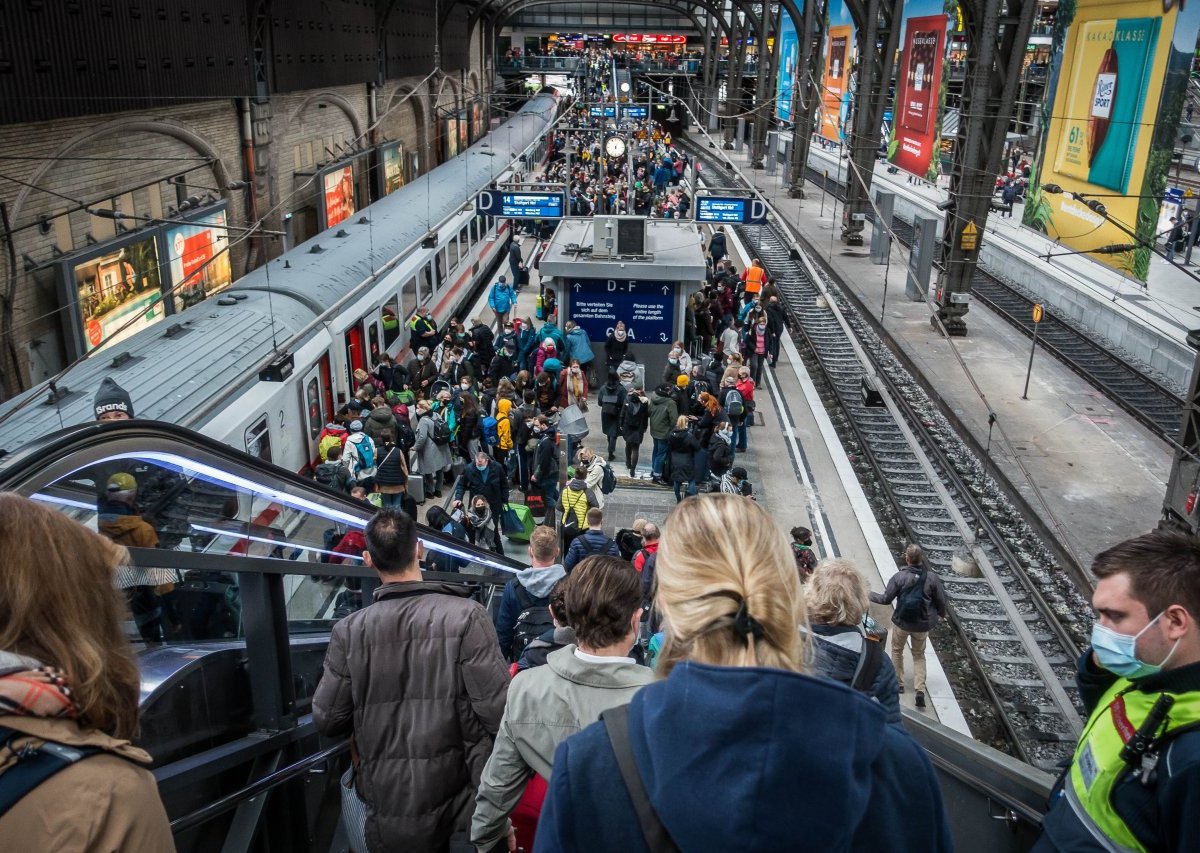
{"x":416,"y":483}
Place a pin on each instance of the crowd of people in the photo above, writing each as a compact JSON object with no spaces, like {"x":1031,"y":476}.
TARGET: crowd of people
{"x":558,"y":727}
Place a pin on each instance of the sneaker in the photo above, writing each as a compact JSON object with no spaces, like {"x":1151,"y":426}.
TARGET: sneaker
{"x":611,"y":457}
{"x":920,"y":699}
{"x":900,"y":689}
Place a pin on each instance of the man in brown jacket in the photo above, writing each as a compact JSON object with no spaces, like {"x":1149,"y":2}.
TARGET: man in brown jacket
{"x":418,"y":680}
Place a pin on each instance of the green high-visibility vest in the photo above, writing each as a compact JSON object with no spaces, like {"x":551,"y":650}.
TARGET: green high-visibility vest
{"x":1097,"y":766}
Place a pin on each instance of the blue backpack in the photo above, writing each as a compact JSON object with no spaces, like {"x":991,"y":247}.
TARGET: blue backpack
{"x":491,"y":436}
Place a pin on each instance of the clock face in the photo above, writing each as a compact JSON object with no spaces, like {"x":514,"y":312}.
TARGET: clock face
{"x":615,"y":146}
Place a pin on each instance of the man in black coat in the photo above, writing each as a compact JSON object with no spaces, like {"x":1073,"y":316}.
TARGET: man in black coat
{"x":777,"y":321}
{"x":486,"y":479}
{"x":716,"y":246}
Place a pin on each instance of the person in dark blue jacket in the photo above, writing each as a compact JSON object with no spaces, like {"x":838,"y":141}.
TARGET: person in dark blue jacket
{"x":592,"y":541}
{"x":836,"y":597}
{"x":737,"y":748}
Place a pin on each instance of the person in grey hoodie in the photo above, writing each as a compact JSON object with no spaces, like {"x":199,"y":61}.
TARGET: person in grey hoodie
{"x":529,"y":591}
{"x":548,"y":704}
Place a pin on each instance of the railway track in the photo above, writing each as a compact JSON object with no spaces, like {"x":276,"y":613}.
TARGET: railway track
{"x":1014,"y":618}
{"x":1155,"y":406}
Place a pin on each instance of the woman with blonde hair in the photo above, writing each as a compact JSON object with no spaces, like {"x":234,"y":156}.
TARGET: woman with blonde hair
{"x":837,"y":602}
{"x":736,"y":747}
{"x":68,"y":677}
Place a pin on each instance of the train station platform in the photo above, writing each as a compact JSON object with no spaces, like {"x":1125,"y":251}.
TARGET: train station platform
{"x":1150,"y":321}
{"x":1091,"y":472}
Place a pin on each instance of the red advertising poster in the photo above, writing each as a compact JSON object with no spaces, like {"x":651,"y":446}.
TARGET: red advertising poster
{"x":339,"y":195}
{"x":837,"y":81}
{"x":914,"y":143}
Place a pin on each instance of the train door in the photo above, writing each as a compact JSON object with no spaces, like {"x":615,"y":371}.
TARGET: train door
{"x":327,"y":386}
{"x":311,"y":413}
{"x":356,"y":356}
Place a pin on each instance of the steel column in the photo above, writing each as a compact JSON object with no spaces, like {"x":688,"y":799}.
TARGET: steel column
{"x":811,"y":32}
{"x":877,"y":22}
{"x":763,"y":91}
{"x":994,"y":59}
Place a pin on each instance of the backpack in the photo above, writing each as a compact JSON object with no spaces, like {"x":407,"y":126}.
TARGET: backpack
{"x":440,"y":434}
{"x":327,"y":442}
{"x":491,"y":433}
{"x":633,"y":408}
{"x":698,"y":387}
{"x":364,"y":456}
{"x":609,"y":481}
{"x":326,"y":474}
{"x":870,"y":659}
{"x":610,"y":402}
{"x":585,"y":545}
{"x":910,"y":603}
{"x":533,"y":621}
{"x":735,"y":407}
{"x":570,"y":515}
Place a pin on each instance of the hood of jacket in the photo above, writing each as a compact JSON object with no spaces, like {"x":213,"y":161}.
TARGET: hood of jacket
{"x":382,"y":416}
{"x":421,"y":587}
{"x":603,"y":676}
{"x":114,"y":525}
{"x":539,"y":582}
{"x":733,"y":732}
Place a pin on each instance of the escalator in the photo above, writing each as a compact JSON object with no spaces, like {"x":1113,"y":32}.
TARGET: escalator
{"x":253,"y":566}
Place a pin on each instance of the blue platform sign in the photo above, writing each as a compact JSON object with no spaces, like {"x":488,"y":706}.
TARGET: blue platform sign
{"x":520,"y":205}
{"x":646,"y":307}
{"x":740,"y":211}
{"x":602,"y":112}
{"x":633,"y":112}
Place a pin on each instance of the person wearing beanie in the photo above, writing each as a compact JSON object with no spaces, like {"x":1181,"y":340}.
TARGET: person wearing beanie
{"x":112,"y":402}
{"x":681,"y":395}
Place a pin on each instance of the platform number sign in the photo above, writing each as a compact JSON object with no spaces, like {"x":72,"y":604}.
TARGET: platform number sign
{"x":969,"y":240}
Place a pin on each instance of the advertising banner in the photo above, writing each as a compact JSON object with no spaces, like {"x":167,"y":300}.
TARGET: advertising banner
{"x":198,"y":259}
{"x":338,"y":189}
{"x":391,"y":164}
{"x":1118,"y":78}
{"x":464,"y":130}
{"x":916,"y":131}
{"x":785,"y":87}
{"x":450,"y":138}
{"x":478,"y":127}
{"x":835,"y":93}
{"x":114,"y":285}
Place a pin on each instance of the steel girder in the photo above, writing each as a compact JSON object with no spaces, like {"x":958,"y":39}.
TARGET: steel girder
{"x":996,"y":34}
{"x":877,"y":31}
{"x":807,"y":95}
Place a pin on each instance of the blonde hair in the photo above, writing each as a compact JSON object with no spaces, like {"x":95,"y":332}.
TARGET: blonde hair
{"x":836,"y":594}
{"x":59,"y":605}
{"x":681,"y":422}
{"x":716,"y":553}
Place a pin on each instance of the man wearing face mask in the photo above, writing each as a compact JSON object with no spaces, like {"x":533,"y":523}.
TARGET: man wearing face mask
{"x":485,"y":479}
{"x":1134,"y":782}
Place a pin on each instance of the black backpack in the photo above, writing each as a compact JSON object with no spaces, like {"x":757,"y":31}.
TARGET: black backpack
{"x":440,"y":434}
{"x":533,"y":621}
{"x":609,"y":483}
{"x":910,"y":603}
{"x":633,"y":408}
{"x":610,"y":401}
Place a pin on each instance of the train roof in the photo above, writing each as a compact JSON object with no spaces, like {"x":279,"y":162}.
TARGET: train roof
{"x":175,"y":367}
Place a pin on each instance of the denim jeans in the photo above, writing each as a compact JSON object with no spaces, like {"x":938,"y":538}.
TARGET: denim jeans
{"x":690,"y":489}
{"x":700,"y":465}
{"x":659,"y":454}
{"x":739,"y":435}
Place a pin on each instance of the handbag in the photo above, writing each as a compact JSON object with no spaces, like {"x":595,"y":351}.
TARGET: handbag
{"x":510,"y":522}
{"x":354,"y":813}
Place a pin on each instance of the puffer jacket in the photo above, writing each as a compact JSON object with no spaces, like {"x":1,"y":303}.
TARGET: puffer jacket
{"x":546,"y":705}
{"x":417,"y":678}
{"x":381,"y":420}
{"x":106,"y":802}
{"x":836,"y":650}
{"x":430,"y":457}
{"x":663,"y":414}
{"x":579,"y":346}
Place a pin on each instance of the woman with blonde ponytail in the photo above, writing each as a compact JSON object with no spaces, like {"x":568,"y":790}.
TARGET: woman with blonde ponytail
{"x":736,"y":747}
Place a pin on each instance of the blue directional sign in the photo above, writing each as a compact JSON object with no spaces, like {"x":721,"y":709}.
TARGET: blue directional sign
{"x":603,"y":112}
{"x":646,"y":307}
{"x":633,"y":112}
{"x":520,"y":205}
{"x":743,"y":211}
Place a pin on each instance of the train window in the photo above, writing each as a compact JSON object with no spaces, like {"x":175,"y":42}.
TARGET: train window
{"x":373,"y":340}
{"x":452,"y":247}
{"x":408,"y":298}
{"x":426,"y":283}
{"x":327,"y":384}
{"x":464,"y":240}
{"x":389,"y":318}
{"x":258,"y":439}
{"x":474,"y":230}
{"x":312,"y":405}
{"x":355,"y":358}
{"x":440,"y":262}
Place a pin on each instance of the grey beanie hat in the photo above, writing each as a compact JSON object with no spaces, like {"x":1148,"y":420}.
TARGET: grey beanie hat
{"x":112,"y":398}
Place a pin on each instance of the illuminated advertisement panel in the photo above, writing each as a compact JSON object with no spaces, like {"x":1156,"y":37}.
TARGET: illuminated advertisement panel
{"x":198,"y":259}
{"x":915,"y":130}
{"x":464,"y":130}
{"x":337,"y":190}
{"x":1118,"y":76}
{"x":450,"y":138}
{"x":113,"y":291}
{"x":785,"y":86}
{"x":835,"y":94}
{"x":391,"y":167}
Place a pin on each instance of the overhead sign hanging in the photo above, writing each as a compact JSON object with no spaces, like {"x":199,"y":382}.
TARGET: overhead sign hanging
{"x":520,"y":205}
{"x":740,"y":211}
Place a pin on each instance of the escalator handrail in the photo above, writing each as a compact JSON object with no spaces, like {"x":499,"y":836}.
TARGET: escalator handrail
{"x":254,"y":789}
{"x":23,"y":465}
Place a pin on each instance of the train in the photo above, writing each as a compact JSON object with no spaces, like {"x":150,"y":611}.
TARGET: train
{"x":263,"y":366}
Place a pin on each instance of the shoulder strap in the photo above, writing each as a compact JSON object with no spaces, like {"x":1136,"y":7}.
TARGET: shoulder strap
{"x":616,"y":723}
{"x":35,"y":766}
{"x":869,"y":662}
{"x":524,"y":597}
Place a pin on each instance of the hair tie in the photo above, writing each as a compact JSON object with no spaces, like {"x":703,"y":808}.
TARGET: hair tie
{"x":745,"y":624}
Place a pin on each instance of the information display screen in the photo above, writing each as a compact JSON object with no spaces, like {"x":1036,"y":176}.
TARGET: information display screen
{"x":743,"y":211}
{"x":520,"y":205}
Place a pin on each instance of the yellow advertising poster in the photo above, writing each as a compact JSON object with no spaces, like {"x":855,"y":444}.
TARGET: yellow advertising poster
{"x":1114,"y":81}
{"x":837,"y":78}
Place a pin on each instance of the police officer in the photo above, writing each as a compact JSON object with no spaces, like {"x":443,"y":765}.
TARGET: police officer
{"x":1134,"y":782}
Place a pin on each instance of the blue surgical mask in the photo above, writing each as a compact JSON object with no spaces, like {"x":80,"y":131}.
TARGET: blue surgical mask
{"x":1118,"y":652}
{"x":482,"y":467}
